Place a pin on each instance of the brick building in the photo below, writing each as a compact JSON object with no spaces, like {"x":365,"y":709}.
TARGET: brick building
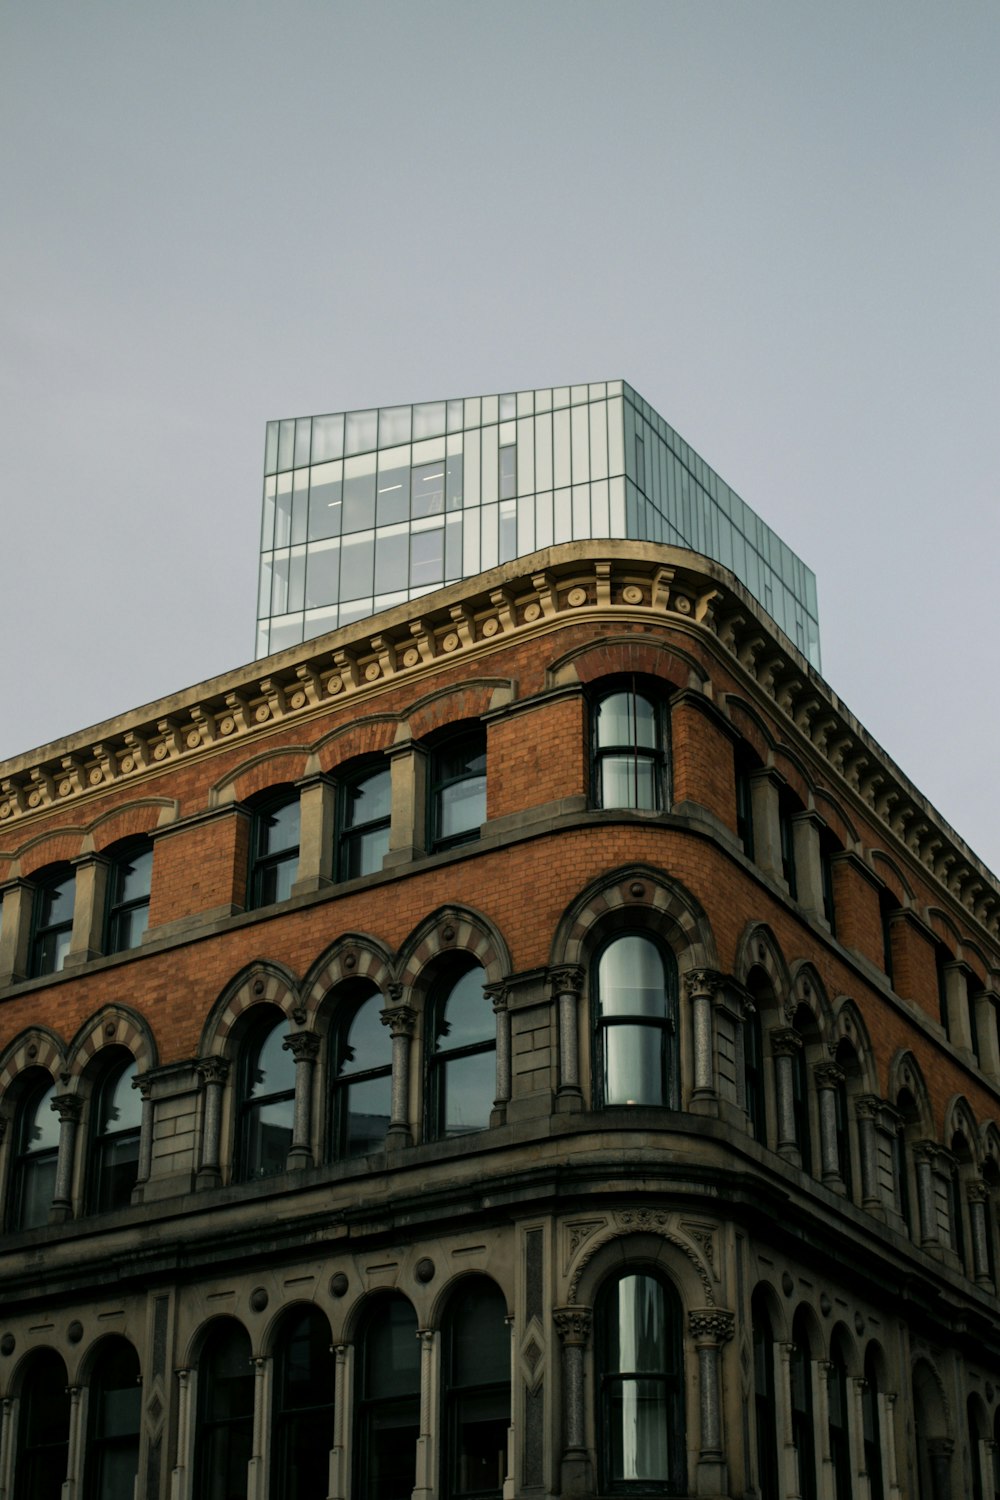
{"x":542,"y":1048}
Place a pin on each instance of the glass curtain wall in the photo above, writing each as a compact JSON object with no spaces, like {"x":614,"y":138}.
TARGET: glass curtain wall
{"x":364,"y":510}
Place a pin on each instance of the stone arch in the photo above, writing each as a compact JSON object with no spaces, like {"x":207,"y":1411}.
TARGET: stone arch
{"x":261,"y":982}
{"x":358,"y":1310}
{"x":132,"y":821}
{"x":795,"y":771}
{"x":445,"y":1293}
{"x":930,"y":1399}
{"x":836,"y":817}
{"x":849,"y":1344}
{"x":616,"y":898}
{"x":814,"y":1326}
{"x":88,"y":1357}
{"x":952,"y":935}
{"x":35,"y":1048}
{"x":197,"y":1340}
{"x":849,"y":1026}
{"x":755,"y":728}
{"x":622,"y":654}
{"x":55,"y":846}
{"x":372,"y":735}
{"x":905,"y":1073}
{"x":354,"y":956}
{"x":453,"y":929}
{"x":781,"y":1323}
{"x":269,"y":1333}
{"x":279,"y":765}
{"x":15,"y":1380}
{"x":890,"y":873}
{"x":455,"y":705}
{"x":989,"y":1146}
{"x":959,"y":1120}
{"x":809,"y":991}
{"x":642,"y":1235}
{"x":758,"y":948}
{"x":112,"y":1026}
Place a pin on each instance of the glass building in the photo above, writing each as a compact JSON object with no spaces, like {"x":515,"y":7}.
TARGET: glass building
{"x":364,"y":510}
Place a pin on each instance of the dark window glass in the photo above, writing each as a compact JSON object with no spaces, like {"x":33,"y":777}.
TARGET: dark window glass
{"x":872,"y":1431}
{"x":113,"y":1411}
{"x":387,"y":1405}
{"x":508,"y":472}
{"x":458,"y":789}
{"x":462,"y":1070}
{"x":224,"y":1441}
{"x":636,"y":1023}
{"x":476,"y":1392}
{"x":956,"y":1215}
{"x":365,"y":808}
{"x":975,"y":1449}
{"x":128,"y":897}
{"x":840,"y":1107}
{"x":800,"y":1105}
{"x":37,"y":1149}
{"x":803,"y":1435}
{"x":840,"y":1445}
{"x":53,"y":920}
{"x":786,"y":811}
{"x":753,"y":1074}
{"x":629,"y":756}
{"x":43,"y":1434}
{"x":275,"y":845}
{"x":640,"y":1391}
{"x":114,"y":1146}
{"x":267,"y":1102}
{"x":765,"y":1405}
{"x":744,"y":803}
{"x":887,"y":904}
{"x":363,"y":1086}
{"x":828,"y":847}
{"x":973,"y":991}
{"x":303,"y":1408}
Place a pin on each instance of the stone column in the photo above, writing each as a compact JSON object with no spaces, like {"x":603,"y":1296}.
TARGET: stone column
{"x":145,"y":1085}
{"x":15,"y":931}
{"x":341,"y":1418}
{"x":304,"y":1047}
{"x":74,"y":1448}
{"x":710,"y":1328}
{"x":426,"y":1486}
{"x":764,"y":785}
{"x":69,"y":1108}
{"x":317,"y":812}
{"x":257,"y":1468}
{"x":401,"y":1021}
{"x":924,"y":1153}
{"x":978,"y":1195}
{"x":829,"y":1079}
{"x":180,"y":1488}
{"x":408,"y":817}
{"x":986,"y":1003}
{"x":939,"y":1451}
{"x":567,"y":986}
{"x":90,"y":900}
{"x":701,"y":986}
{"x":856,"y":1426}
{"x":806,"y":828}
{"x":887,"y":1429}
{"x":866,"y":1111}
{"x":573,"y":1327}
{"x":957,"y":993}
{"x":497,"y":994}
{"x":789,"y":1456}
{"x":8,"y":1427}
{"x":214,"y":1071}
{"x":785,"y":1043}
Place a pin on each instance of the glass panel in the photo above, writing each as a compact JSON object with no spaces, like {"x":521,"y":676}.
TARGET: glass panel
{"x":392,"y":559}
{"x":283,"y":511}
{"x":491,"y":409}
{"x":633,"y":1068}
{"x":369,"y":1110}
{"x":322,"y":573}
{"x":508,"y":472}
{"x":628,"y":781}
{"x":480,"y":1341}
{"x":134,"y":875}
{"x":369,"y":798}
{"x":328,"y":437}
{"x":427,"y":557}
{"x":508,"y":408}
{"x":57,"y":902}
{"x":491,"y":450}
{"x":637,"y":1335}
{"x":362,"y":431}
{"x":581,"y":444}
{"x":122,"y":1104}
{"x":302,"y":435}
{"x":469,"y":1089}
{"x":271,"y":448}
{"x":41,"y":1124}
{"x":639,"y":1424}
{"x":326,"y":500}
{"x":279,"y":827}
{"x":468,"y":1017}
{"x":631,"y":978}
{"x":267,"y":516}
{"x":392,"y":1351}
{"x":359,"y":493}
{"x":368,"y":1042}
{"x":274,"y":1072}
{"x":357,"y":571}
{"x":598,"y":440}
{"x":38,"y":1186}
{"x":455,"y":416}
{"x":428,"y":489}
{"x":51,"y":952}
{"x":286,"y":444}
{"x":393,"y":425}
{"x":626,"y":719}
{"x":393,"y":487}
{"x":462,"y":807}
{"x":560,"y":446}
{"x":429,"y":420}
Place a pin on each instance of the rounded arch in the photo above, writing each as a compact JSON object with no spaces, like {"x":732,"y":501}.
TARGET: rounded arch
{"x":905,"y":1077}
{"x":891,"y":875}
{"x":261,"y":982}
{"x":959,"y":1120}
{"x":96,"y":1350}
{"x":373,"y":735}
{"x":112,"y":1026}
{"x":37,"y":1048}
{"x":616,"y":899}
{"x":458,"y":1283}
{"x":135,"y":820}
{"x":207,"y":1329}
{"x":767,"y":1297}
{"x":877,"y":1362}
{"x":661,"y":1246}
{"x":623,"y":655}
{"x":450,"y":930}
{"x":849,"y":1030}
{"x":808,"y":992}
{"x":360,"y":1313}
{"x":944,"y":928}
{"x":277,"y":766}
{"x":273,"y":1328}
{"x":448,"y":709}
{"x":837,"y":819}
{"x":20,"y":1371}
{"x":989,"y":1149}
{"x":805,"y":1319}
{"x":841,"y":1337}
{"x":752,"y":726}
{"x":48,"y":850}
{"x":354,"y":956}
{"x":795,"y":771}
{"x":933,"y":1418}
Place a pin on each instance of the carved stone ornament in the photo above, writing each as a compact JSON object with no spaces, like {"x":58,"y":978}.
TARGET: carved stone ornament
{"x":654,"y":1219}
{"x":259,"y":1299}
{"x":339,"y":1284}
{"x":711,"y":1325}
{"x":566,"y":979}
{"x":785,"y":1041}
{"x":302,"y":1045}
{"x":425,"y":1270}
{"x":828,"y":1075}
{"x":702,"y":982}
{"x":573,"y":1324}
{"x":213,"y":1069}
{"x":496,"y":994}
{"x":400,"y":1019}
{"x":68,"y":1106}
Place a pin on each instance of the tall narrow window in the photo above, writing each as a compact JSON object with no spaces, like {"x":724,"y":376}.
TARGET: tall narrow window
{"x":114,"y":1145}
{"x":788,"y":806}
{"x":225,"y":1414}
{"x":887,"y":905}
{"x":828,"y":848}
{"x":37,"y":1149}
{"x":800,"y":1090}
{"x":753,"y":1073}
{"x":43,"y":1430}
{"x":640,"y":1414}
{"x":458,"y":789}
{"x":977,"y":1433}
{"x":267,"y":1101}
{"x":128,"y":895}
{"x":365,"y":808}
{"x":362,"y":1090}
{"x":275,"y":849}
{"x":113,"y":1411}
{"x":387,"y":1404}
{"x":462,"y":1064}
{"x":872,"y":1428}
{"x":765,"y":1403}
{"x":745,"y":762}
{"x":840,"y":1440}
{"x":843,"y":1138}
{"x":303,"y":1408}
{"x":476,"y":1392}
{"x":629,"y":757}
{"x":52,"y":920}
{"x":803,"y":1434}
{"x":636,"y":994}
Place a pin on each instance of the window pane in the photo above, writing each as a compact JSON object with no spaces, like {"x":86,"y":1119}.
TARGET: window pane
{"x":279,"y":828}
{"x":38,"y":1186}
{"x":462,"y":807}
{"x":467,"y":1017}
{"x":369,"y":798}
{"x":628,"y":781}
{"x":626,"y":719}
{"x":637,"y":1333}
{"x":369,"y":1044}
{"x":369,"y":1107}
{"x":469,"y":1089}
{"x":275,"y":1070}
{"x":631,"y":978}
{"x":633,"y":1068}
{"x":122,"y":1103}
{"x":134,"y":875}
{"x":480,"y":1340}
{"x":392,"y":1350}
{"x":428,"y":489}
{"x":365,"y":853}
{"x":639,"y":1421}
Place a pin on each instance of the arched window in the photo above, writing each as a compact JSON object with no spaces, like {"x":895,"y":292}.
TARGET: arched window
{"x":839,"y":1421}
{"x":909,"y":1123}
{"x":789,"y":807}
{"x":462,"y":1062}
{"x":803,"y":1433}
{"x":365,"y":811}
{"x":36,"y":1147}
{"x":303,"y":1407}
{"x":113,"y":1412}
{"x":43,"y":1430}
{"x":362,"y":1089}
{"x":267,"y":1100}
{"x":847,"y":1061}
{"x":977,"y":1436}
{"x":52,"y":919}
{"x":636,"y":1011}
{"x":457,"y":800}
{"x":476,"y":1392}
{"x":640,"y":1414}
{"x":274,"y":846}
{"x":128,"y":895}
{"x":805,"y":1026}
{"x":871,"y":1418}
{"x":224,"y":1435}
{"x":761,"y":1003}
{"x":629,"y":749}
{"x":765,"y":1403}
{"x":387,"y":1404}
{"x":114,"y":1143}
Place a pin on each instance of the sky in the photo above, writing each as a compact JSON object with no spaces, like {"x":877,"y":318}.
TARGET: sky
{"x":779,"y":221}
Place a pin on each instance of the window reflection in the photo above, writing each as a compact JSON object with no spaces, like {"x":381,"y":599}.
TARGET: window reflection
{"x":641,"y":1412}
{"x":463,"y":1062}
{"x":387,"y":1401}
{"x":268,"y":1102}
{"x":363,"y":1087}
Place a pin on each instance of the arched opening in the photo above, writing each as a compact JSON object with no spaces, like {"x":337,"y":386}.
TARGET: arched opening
{"x":302,"y":1424}
{"x":361,"y":1049}
{"x":266,"y":1098}
{"x":635,"y":1003}
{"x":640,"y":1393}
{"x":765,"y":1397}
{"x":387,"y":1400}
{"x":224,"y":1432}
{"x":803,"y":1420}
{"x":36,"y":1152}
{"x":461,"y":1063}
{"x":476,"y":1364}
{"x":113,"y":1417}
{"x":43,"y":1429}
{"x":115,"y":1124}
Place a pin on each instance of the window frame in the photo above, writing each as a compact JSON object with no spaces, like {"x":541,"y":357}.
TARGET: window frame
{"x":443,"y":987}
{"x":439,"y":783}
{"x":341,"y":1083}
{"x":656,"y":757}
{"x":31,"y":1455}
{"x":27,"y":1163}
{"x":102,"y":1444}
{"x":670,"y":1378}
{"x":667,"y":1026}
{"x":765,"y":1396}
{"x":454,"y":1394}
{"x":264,"y":861}
{"x":118,"y":908}
{"x":210,"y":1428}
{"x":293,"y":1427}
{"x":101,"y":1198}
{"x":48,"y":883}
{"x":368,"y":1405}
{"x":255,"y":1039}
{"x":350,"y":835}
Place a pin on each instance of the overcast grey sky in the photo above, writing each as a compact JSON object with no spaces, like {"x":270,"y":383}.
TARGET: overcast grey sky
{"x":778,"y":220}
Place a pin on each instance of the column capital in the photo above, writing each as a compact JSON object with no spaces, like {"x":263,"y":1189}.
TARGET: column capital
{"x":711,"y":1325}
{"x":828,"y":1075}
{"x":977,"y":1191}
{"x":573,"y":1324}
{"x":303,"y":1045}
{"x":497,"y":995}
{"x":67,"y":1107}
{"x":698,"y":982}
{"x":566,"y":979}
{"x":213,"y":1069}
{"x":927,"y":1151}
{"x":785,"y":1041}
{"x":868,"y":1106}
{"x":400,"y":1019}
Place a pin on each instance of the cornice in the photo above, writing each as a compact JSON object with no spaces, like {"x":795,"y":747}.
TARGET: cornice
{"x":615,"y":581}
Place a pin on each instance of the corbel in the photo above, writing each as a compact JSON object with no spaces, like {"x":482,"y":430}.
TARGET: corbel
{"x":462,"y":621}
{"x":74,"y":774}
{"x":385,"y":653}
{"x":310,"y":683}
{"x":504,"y":606}
{"x":169,"y":746}
{"x":107,"y":765}
{"x":602,"y":585}
{"x":239,"y":712}
{"x":706,"y":605}
{"x":274,"y":697}
{"x":14,"y":790}
{"x":545,"y":590}
{"x":347,"y":666}
{"x":136,"y":750}
{"x":662,"y":579}
{"x":204,"y":723}
{"x":42,"y":787}
{"x":423,"y":640}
